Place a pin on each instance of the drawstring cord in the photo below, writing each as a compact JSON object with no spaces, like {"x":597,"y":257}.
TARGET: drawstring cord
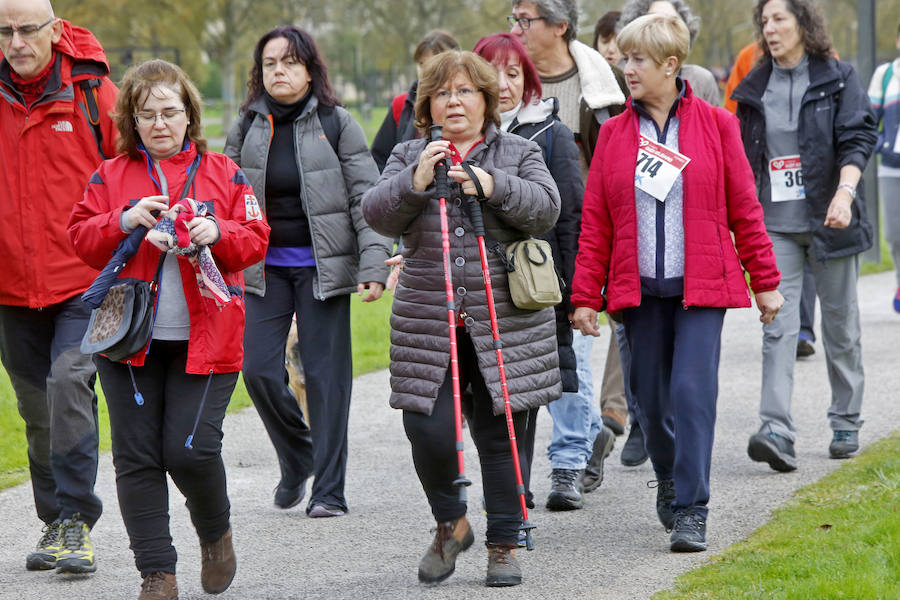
{"x":138,"y":397}
{"x":190,"y":438}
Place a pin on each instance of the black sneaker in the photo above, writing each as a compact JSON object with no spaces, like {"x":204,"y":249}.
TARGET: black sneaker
{"x":565,"y":490}
{"x":47,"y":550}
{"x":634,"y":453}
{"x":774,"y":449}
{"x":689,"y":532}
{"x":843,"y":444}
{"x":665,"y":496}
{"x":77,"y":553}
{"x":593,"y":473}
{"x":289,"y":497}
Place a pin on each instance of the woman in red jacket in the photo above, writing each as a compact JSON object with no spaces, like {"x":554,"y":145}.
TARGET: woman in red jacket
{"x":182,"y":382}
{"x":668,"y":187}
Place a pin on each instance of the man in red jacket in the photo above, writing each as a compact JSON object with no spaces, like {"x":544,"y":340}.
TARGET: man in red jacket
{"x":55,"y":128}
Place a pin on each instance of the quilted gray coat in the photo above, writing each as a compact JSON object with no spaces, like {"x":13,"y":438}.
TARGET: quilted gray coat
{"x":525,"y":202}
{"x":346,"y":250}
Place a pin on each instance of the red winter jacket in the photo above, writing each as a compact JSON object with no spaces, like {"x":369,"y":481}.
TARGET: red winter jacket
{"x":719,"y":199}
{"x":47,"y":155}
{"x":216,"y":337}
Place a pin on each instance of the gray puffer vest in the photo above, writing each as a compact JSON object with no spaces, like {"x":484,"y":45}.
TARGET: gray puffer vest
{"x":346,"y":249}
{"x":525,"y":202}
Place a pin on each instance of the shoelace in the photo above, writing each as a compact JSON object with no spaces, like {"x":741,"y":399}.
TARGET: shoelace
{"x":666,"y":487}
{"x":563,"y":476}
{"x":443,"y":532}
{"x":689,"y":522}
{"x":71,"y":534}
{"x":153,"y":582}
{"x":51,"y":535}
{"x":500,"y":555}
{"x":842,"y":436}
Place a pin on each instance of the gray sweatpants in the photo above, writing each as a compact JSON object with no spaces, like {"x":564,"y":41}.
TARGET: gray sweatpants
{"x":836,"y":288}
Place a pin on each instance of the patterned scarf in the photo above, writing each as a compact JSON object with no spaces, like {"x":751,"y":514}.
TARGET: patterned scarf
{"x":31,"y":89}
{"x":170,"y":234}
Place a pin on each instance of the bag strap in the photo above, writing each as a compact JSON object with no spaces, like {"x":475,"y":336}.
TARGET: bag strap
{"x":329,"y":121}
{"x":479,"y":191}
{"x":184,"y":192}
{"x":93,"y":111}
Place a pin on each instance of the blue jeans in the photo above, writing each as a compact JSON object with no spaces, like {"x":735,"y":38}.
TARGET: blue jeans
{"x":576,"y":421}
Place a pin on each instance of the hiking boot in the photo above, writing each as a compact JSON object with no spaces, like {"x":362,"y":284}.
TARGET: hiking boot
{"x":321,"y":510}
{"x":593,"y":473}
{"x":634,"y":453}
{"x":288,"y":497}
{"x":565,"y":490}
{"x":217,"y":564}
{"x":774,"y":449}
{"x":805,"y":347}
{"x":614,"y":420}
{"x":503,"y":566}
{"x":77,"y":552}
{"x":689,"y":532}
{"x":665,"y":496}
{"x":159,"y":586}
{"x":450,"y":538}
{"x":843,"y":444}
{"x":47,"y":550}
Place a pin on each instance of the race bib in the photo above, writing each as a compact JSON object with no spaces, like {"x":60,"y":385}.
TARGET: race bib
{"x":657,"y":168}
{"x":786,"y":177}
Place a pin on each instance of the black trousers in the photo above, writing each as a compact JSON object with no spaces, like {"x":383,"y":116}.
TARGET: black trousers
{"x":54,"y":386}
{"x":323,"y":328}
{"x":433,"y":441}
{"x":148,"y":441}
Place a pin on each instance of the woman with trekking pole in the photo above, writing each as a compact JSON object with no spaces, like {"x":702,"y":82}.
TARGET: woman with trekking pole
{"x":459,"y":92}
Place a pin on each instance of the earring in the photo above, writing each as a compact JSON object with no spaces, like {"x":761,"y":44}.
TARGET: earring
{"x":668,"y":73}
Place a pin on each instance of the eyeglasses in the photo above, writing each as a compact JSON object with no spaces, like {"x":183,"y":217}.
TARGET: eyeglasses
{"x":462,"y":94}
{"x":523,"y":22}
{"x":26,"y":32}
{"x":167,"y":116}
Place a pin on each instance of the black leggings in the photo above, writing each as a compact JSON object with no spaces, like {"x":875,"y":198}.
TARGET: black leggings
{"x":148,"y":441}
{"x":434,"y":451}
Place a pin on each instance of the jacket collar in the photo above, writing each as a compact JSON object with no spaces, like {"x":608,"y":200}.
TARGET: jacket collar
{"x":599,"y":87}
{"x":259,"y":106}
{"x":753,"y":86}
{"x":536,"y":112}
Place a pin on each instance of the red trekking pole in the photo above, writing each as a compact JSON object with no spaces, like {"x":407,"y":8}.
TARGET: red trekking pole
{"x":443,"y":190}
{"x":477,"y":218}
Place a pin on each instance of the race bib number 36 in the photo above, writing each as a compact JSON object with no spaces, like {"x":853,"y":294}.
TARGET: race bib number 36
{"x":657,"y":168}
{"x":786,"y":178}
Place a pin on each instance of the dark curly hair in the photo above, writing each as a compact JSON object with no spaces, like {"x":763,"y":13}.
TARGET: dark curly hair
{"x":300,"y":47}
{"x":810,"y":22}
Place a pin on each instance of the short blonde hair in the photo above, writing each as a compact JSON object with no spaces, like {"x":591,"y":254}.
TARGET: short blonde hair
{"x":443,"y":67}
{"x":659,"y":36}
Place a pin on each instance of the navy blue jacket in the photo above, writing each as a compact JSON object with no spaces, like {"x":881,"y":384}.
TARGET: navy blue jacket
{"x":837,"y":128}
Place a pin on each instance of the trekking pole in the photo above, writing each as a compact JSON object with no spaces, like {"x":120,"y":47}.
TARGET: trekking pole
{"x":478,"y":223}
{"x":443,"y":191}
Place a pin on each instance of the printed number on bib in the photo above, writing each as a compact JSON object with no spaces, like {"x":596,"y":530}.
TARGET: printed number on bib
{"x":786,"y":177}
{"x":657,"y":168}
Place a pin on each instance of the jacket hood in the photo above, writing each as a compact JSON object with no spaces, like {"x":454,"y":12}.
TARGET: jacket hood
{"x":536,"y":112}
{"x":599,"y":87}
{"x":83,"y":48}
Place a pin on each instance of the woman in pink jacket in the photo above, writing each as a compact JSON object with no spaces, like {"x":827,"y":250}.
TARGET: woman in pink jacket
{"x":668,"y":187}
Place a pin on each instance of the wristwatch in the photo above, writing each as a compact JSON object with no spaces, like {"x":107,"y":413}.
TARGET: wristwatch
{"x":851,"y":189}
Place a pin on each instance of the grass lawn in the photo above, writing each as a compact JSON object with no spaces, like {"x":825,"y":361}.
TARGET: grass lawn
{"x":838,"y":538}
{"x":369,"y":329}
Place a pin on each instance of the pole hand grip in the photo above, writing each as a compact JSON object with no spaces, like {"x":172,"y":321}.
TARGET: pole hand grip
{"x":441,"y":184}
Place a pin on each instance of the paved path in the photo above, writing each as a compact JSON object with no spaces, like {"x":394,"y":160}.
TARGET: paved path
{"x":614,"y":548}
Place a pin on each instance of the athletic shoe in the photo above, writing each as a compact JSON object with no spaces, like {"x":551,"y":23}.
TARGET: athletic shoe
{"x":634,"y":453}
{"x":450,"y":538}
{"x":565,"y":490}
{"x":159,"y":586}
{"x":47,"y":550}
{"x":77,"y":554}
{"x":804,"y":346}
{"x":289,"y":497}
{"x":843,"y":444}
{"x":665,"y":496}
{"x":593,"y":473}
{"x":774,"y":449}
{"x":319,"y":511}
{"x":689,"y":532}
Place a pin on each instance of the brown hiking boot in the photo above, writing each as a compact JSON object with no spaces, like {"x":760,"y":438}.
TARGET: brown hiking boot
{"x":450,"y":538}
{"x":159,"y":586}
{"x":503,"y":566}
{"x":217,"y":564}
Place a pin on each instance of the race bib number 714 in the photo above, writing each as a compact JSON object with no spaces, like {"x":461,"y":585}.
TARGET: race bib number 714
{"x":657,"y":168}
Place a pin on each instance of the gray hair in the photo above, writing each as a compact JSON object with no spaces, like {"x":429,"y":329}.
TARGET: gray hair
{"x":557,"y":12}
{"x":638,"y":8}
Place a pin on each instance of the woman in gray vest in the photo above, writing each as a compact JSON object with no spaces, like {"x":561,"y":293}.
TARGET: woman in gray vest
{"x":309,"y":164}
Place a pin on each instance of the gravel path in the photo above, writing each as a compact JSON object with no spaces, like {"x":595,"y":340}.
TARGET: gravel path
{"x":614,"y":548}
